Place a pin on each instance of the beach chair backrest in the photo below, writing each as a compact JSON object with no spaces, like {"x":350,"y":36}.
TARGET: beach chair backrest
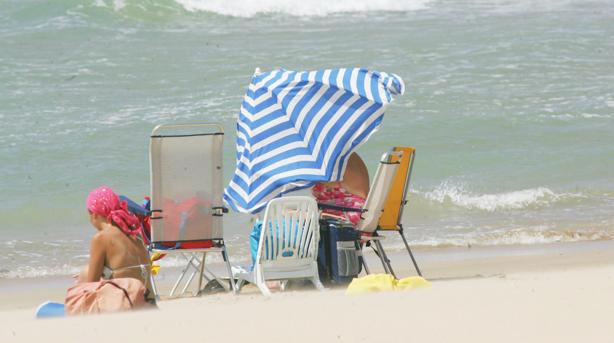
{"x":290,"y":232}
{"x":393,"y":208}
{"x":379,"y":192}
{"x":186,"y":182}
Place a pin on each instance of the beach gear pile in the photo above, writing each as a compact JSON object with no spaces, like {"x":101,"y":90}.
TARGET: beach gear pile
{"x":384,"y":283}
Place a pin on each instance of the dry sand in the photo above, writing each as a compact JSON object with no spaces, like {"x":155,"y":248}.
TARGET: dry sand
{"x":553,"y":293}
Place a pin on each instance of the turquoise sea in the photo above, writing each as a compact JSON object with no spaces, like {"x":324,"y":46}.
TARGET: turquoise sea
{"x":510,"y":105}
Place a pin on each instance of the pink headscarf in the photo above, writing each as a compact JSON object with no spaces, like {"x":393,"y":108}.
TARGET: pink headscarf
{"x":103,"y":201}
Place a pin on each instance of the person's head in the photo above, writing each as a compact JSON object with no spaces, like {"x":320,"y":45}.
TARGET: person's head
{"x":97,"y":220}
{"x":105,"y":207}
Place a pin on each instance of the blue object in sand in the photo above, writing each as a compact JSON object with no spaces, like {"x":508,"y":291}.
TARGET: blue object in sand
{"x":50,"y":309}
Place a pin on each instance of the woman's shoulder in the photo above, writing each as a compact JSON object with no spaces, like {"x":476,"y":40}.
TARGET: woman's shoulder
{"x":106,"y":234}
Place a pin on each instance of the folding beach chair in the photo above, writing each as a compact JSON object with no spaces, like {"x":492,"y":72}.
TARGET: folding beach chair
{"x":373,"y":207}
{"x":186,"y":197}
{"x":397,"y":198}
{"x":288,"y":246}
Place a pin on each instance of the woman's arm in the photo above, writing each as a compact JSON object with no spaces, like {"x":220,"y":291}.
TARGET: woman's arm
{"x":97,"y":258}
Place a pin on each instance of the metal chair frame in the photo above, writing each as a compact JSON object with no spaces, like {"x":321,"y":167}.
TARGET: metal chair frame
{"x":192,"y":256}
{"x":400,"y":229}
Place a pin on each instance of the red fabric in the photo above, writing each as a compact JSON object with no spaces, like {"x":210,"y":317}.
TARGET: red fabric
{"x":338,"y":196}
{"x":197,"y":245}
{"x":173,"y":213}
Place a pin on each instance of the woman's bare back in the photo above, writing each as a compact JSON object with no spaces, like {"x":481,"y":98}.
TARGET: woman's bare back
{"x":124,"y":254}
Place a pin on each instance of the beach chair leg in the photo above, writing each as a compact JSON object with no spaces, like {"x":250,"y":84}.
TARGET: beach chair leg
{"x":190,"y":258}
{"x":154,"y":288}
{"x":364,"y":264}
{"x":262,"y":286}
{"x":384,"y":258}
{"x":284,"y":284}
{"x":239,"y":284}
{"x":181,"y":276}
{"x":188,"y":282}
{"x":259,"y":280}
{"x":196,"y":267}
{"x":202,"y":273}
{"x":233,"y":286}
{"x":316,"y":282}
{"x":375,"y":248}
{"x":264,"y":289}
{"x":361,"y":257}
{"x":413,"y":260}
{"x":315,"y":279}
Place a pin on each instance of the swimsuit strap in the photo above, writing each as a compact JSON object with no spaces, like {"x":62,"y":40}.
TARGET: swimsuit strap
{"x":107,"y":272}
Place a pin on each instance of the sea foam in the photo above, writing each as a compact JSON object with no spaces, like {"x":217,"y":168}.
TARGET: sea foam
{"x":504,"y":237}
{"x":250,"y":8}
{"x":457,"y":195}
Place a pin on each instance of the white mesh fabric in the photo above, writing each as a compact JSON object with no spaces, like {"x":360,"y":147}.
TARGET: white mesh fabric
{"x":186,"y":184}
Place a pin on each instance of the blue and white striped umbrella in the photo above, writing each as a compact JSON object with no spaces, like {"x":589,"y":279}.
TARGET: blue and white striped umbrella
{"x":298,"y":128}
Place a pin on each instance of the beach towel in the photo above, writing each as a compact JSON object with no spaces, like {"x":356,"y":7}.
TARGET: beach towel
{"x":105,"y":296}
{"x":338,"y":196}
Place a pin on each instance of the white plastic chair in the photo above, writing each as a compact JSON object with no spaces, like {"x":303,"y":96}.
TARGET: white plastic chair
{"x":288,"y":246}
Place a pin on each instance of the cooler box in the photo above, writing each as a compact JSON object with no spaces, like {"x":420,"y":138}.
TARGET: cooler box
{"x":338,"y":261}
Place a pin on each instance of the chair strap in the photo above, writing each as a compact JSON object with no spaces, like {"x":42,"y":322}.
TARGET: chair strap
{"x":340,"y":208}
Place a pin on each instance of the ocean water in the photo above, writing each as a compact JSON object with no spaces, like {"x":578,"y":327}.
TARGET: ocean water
{"x":510,"y":105}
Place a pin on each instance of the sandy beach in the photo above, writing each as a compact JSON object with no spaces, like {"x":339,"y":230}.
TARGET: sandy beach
{"x":556,"y":292}
{"x":508,"y":104}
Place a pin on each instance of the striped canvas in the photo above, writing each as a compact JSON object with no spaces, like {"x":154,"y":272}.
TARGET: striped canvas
{"x":298,"y":128}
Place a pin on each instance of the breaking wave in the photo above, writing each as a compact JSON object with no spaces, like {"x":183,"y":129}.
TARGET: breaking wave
{"x":458,"y":196}
{"x":517,"y":236}
{"x":250,"y":8}
{"x":23,"y":272}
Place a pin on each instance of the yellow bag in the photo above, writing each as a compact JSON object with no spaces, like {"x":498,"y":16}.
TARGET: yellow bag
{"x":411,"y":282}
{"x":384,"y":283}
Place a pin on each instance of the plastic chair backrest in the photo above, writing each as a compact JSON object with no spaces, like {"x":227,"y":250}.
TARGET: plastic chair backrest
{"x":186,"y":182}
{"x":393,"y":208}
{"x":378,"y":193}
{"x":290,"y":231}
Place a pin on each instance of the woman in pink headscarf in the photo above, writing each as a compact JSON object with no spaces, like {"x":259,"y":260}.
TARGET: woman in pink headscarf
{"x":117,"y":249}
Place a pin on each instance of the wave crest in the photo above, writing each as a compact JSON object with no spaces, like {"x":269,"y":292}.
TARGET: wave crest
{"x":249,"y":8}
{"x":509,"y":237}
{"x":458,"y":196}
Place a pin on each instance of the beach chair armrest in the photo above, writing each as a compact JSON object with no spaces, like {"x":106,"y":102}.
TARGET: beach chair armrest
{"x":322,"y":206}
{"x":218,"y":211}
{"x":371,"y":238}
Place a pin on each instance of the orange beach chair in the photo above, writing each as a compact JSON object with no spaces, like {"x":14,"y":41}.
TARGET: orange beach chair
{"x":390,"y":220}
